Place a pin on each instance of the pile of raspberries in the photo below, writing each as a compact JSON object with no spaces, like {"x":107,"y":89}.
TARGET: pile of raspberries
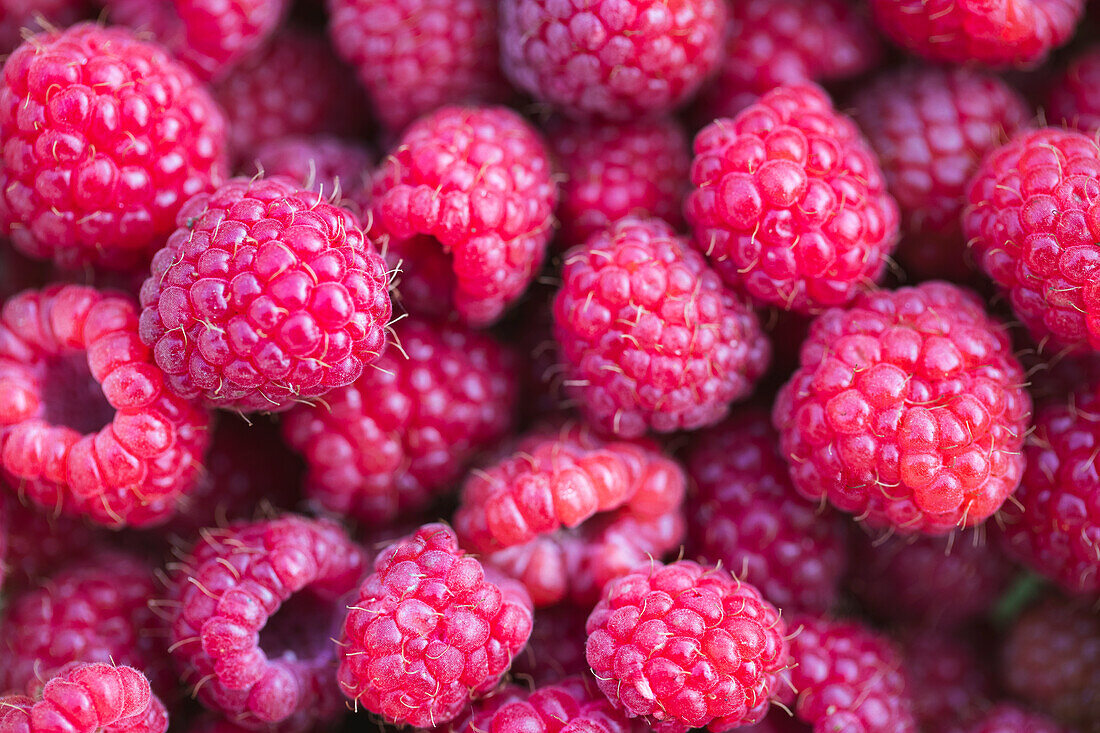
{"x":549,"y":366}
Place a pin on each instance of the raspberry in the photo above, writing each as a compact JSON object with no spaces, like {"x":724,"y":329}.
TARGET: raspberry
{"x":616,"y":170}
{"x":36,"y":543}
{"x":947,"y":680}
{"x":746,"y":515}
{"x":931,"y":127}
{"x":17,"y":15}
{"x":995,"y":33}
{"x":321,"y":163}
{"x":616,"y":59}
{"x":209,"y":36}
{"x":264,"y":296}
{"x":789,"y":202}
{"x":556,"y":647}
{"x":254,"y":609}
{"x":649,"y":335}
{"x":465,"y":203}
{"x":414,"y":56}
{"x":1010,"y":718}
{"x":1074,"y":98}
{"x":86,"y":425}
{"x":429,"y":631}
{"x":405,"y":431}
{"x":685,"y":646}
{"x":848,"y":678}
{"x":1032,"y":220}
{"x":104,"y":138}
{"x":908,"y":410}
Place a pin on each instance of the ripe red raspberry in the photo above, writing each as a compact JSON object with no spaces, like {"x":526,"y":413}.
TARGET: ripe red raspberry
{"x":37,"y":543}
{"x":746,"y":515}
{"x":414,"y":56}
{"x":650,"y":337}
{"x":404,"y":432}
{"x":86,"y":425}
{"x":104,"y":138}
{"x":616,"y":170}
{"x":1075,"y":96}
{"x":931,"y":127}
{"x":848,"y":678}
{"x":321,"y":163}
{"x":556,"y":647}
{"x":990,"y":32}
{"x":265,"y":295}
{"x":616,"y":59}
{"x":465,"y":204}
{"x":1033,"y":220}
{"x":1011,"y":718}
{"x":789,"y":202}
{"x":948,"y":680}
{"x":908,"y":410}
{"x":17,"y":15}
{"x":255,"y":607}
{"x":429,"y":631}
{"x":685,"y":646}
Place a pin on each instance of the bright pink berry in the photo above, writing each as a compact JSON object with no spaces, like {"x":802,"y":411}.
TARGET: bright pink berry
{"x":789,"y":203}
{"x":1011,"y":718}
{"x":254,"y":610}
{"x":465,"y":205}
{"x":1075,"y":96}
{"x":392,"y":441}
{"x":556,"y":647}
{"x":321,"y":163}
{"x":429,"y":631}
{"x":17,"y":15}
{"x":949,"y":678}
{"x":908,"y":410}
{"x":104,"y":138}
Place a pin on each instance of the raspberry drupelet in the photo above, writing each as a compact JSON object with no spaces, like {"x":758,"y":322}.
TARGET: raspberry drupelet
{"x":465,"y":205}
{"x":1033,"y":221}
{"x":1074,"y":99}
{"x":265,"y":295}
{"x":908,"y":410}
{"x":254,"y":608}
{"x":685,"y":646}
{"x":429,"y":631}
{"x":322,"y":163}
{"x":391,"y":442}
{"x":789,"y":203}
{"x":104,"y":138}
{"x":1012,"y":718}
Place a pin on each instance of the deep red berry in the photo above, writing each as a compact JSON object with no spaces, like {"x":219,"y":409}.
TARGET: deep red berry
{"x":104,"y":138}
{"x":789,"y":203}
{"x":321,"y":163}
{"x":556,"y":647}
{"x":1075,"y":96}
{"x":18,"y":15}
{"x":1011,"y":718}
{"x":949,"y":680}
{"x":908,"y":410}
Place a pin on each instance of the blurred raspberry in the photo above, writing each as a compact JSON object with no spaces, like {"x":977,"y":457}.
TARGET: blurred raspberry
{"x":1011,"y":718}
{"x":18,"y":272}
{"x":556,"y":647}
{"x":16,"y":16}
{"x":37,"y":543}
{"x":1075,"y":96}
{"x":948,"y":680}
{"x":321,"y":163}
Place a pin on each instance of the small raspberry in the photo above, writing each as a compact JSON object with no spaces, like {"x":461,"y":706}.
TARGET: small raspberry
{"x":104,"y":138}
{"x":265,"y":295}
{"x":948,"y":681}
{"x":1033,"y":220}
{"x":17,"y":15}
{"x":931,"y":127}
{"x":37,"y":543}
{"x":321,"y":163}
{"x":746,"y":515}
{"x":1075,"y":96}
{"x":1011,"y":718}
{"x":789,"y":202}
{"x":649,"y":335}
{"x":255,"y":607}
{"x":404,"y":432}
{"x":994,"y":33}
{"x":465,"y":204}
{"x":685,"y":646}
{"x":429,"y":631}
{"x":556,"y":647}
{"x":908,"y":410}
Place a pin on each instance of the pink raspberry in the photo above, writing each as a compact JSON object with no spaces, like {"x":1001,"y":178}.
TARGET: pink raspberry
{"x":37,"y":543}
{"x":685,"y":646}
{"x":789,"y":202}
{"x":650,"y":337}
{"x":104,"y":138}
{"x":556,"y":647}
{"x":991,"y":32}
{"x":1075,"y":96}
{"x":616,"y":59}
{"x":265,"y":295}
{"x":1011,"y":718}
{"x":429,"y":631}
{"x":465,"y":205}
{"x":908,"y":410}
{"x":404,"y":432}
{"x":87,"y":426}
{"x":1033,"y":220}
{"x":17,"y":15}
{"x":746,"y":515}
{"x":931,"y":127}
{"x":948,"y":680}
{"x":321,"y":163}
{"x":615,"y":170}
{"x":415,"y":56}
{"x":254,"y":609}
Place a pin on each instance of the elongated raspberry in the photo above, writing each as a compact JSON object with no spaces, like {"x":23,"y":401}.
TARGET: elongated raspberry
{"x":789,"y":203}
{"x":18,"y":15}
{"x":1075,"y":96}
{"x":265,"y":295}
{"x":255,"y":607}
{"x":404,"y":432}
{"x":104,"y":138}
{"x":429,"y":631}
{"x":321,"y":163}
{"x":1011,"y":718}
{"x":556,"y":647}
{"x":685,"y":646}
{"x":949,"y":678}
{"x":908,"y":410}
